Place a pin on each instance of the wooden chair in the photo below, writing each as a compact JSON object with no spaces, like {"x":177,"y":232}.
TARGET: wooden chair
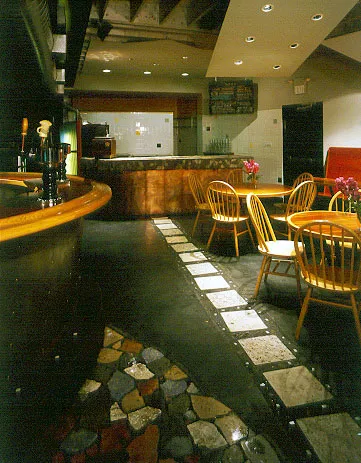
{"x":301,"y":178}
{"x":339,"y":202}
{"x":301,"y":199}
{"x":330,"y":263}
{"x":226,"y":212}
{"x":236,"y":177}
{"x":279,"y":256}
{"x":200,"y":198}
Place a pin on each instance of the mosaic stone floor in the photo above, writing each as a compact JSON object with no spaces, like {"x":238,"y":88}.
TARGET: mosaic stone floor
{"x":152,"y":411}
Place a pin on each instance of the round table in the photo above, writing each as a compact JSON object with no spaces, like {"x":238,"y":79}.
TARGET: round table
{"x":263,"y":190}
{"x":346,"y":219}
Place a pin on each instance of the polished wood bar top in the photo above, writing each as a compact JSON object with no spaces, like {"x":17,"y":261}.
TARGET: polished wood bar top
{"x":347,"y":219}
{"x":263,"y":190}
{"x":23,"y":213}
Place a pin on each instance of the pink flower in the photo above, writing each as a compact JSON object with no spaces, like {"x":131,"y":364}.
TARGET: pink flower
{"x":348,"y":187}
{"x":251,"y":166}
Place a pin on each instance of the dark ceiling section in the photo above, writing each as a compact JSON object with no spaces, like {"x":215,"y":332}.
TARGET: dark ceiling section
{"x":350,"y":23}
{"x":165,"y":7}
{"x":78,"y":13}
{"x":207,"y":14}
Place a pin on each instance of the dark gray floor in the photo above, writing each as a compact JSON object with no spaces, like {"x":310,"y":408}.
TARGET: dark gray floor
{"x":132,"y":279}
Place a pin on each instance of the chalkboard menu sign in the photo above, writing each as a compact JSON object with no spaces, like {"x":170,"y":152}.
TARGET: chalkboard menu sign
{"x":232,"y":97}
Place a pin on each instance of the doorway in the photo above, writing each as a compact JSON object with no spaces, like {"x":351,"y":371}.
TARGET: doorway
{"x":302,"y":140}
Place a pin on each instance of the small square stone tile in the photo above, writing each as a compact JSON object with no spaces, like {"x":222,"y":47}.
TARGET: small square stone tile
{"x":166,"y":226}
{"x":224,"y":299}
{"x":334,"y":438}
{"x":243,"y":320}
{"x":171,"y":232}
{"x":184,"y":247}
{"x":213,"y":282}
{"x":266,"y":349}
{"x":176,"y":239}
{"x":203,"y":268}
{"x":160,"y":220}
{"x":297,"y":386}
{"x":192,"y":256}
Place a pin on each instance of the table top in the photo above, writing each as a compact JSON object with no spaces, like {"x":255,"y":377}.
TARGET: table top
{"x":347,"y":219}
{"x":263,"y":190}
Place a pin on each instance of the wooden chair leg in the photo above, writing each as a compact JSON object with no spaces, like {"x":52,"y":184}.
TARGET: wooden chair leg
{"x":195,"y":222}
{"x":303,"y":313}
{"x":250,"y":233}
{"x":259,"y":278}
{"x":211,"y":235}
{"x":235,"y":236}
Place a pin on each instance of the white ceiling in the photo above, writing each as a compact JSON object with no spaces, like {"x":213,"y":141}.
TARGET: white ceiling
{"x":144,"y":44}
{"x":289,"y":22}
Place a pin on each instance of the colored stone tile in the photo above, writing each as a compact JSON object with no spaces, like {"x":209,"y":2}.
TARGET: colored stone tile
{"x":131,"y":346}
{"x":140,"y":419}
{"x":195,"y":256}
{"x":107,"y":355}
{"x":232,"y":428}
{"x":150,"y":354}
{"x":266,"y":349}
{"x":243,"y":320}
{"x":334,"y":438}
{"x":183,"y":247}
{"x":132,"y":401}
{"x":203,"y":268}
{"x":175,"y":374}
{"x":179,"y":405}
{"x":139,"y":372}
{"x":88,"y":387}
{"x":78,"y":441}
{"x":160,"y":366}
{"x":148,"y":387}
{"x":120,"y":384}
{"x":173,"y":388}
{"x":297,"y":386}
{"x":179,"y":447}
{"x":206,"y":435}
{"x":213,"y":282}
{"x":116,"y":413}
{"x":225,"y":299}
{"x":111,"y":336}
{"x":144,"y":448}
{"x":208,"y":408}
{"x":111,"y":439}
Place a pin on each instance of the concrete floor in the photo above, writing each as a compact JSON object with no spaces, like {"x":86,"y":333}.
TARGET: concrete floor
{"x":131,"y":278}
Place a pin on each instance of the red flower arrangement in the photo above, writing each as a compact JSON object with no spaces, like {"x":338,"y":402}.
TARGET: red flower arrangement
{"x":252,"y":169}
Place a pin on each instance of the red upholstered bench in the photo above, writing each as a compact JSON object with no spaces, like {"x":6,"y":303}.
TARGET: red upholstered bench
{"x":340,"y":162}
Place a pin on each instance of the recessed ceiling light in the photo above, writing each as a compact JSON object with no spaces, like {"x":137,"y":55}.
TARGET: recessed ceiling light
{"x":185,"y":74}
{"x":155,"y":64}
{"x":276,"y":66}
{"x":238,"y":62}
{"x":250,"y":39}
{"x":106,"y":70}
{"x":317,"y":17}
{"x":294,"y":45}
{"x":267,"y":8}
{"x":147,"y":72}
{"x":184,"y":57}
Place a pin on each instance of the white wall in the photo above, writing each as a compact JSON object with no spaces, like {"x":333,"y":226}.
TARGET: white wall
{"x":136,"y":133}
{"x":333,"y":80}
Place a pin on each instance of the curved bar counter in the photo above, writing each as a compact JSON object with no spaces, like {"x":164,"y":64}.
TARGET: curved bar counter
{"x":78,"y":198}
{"x":39,"y":289}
